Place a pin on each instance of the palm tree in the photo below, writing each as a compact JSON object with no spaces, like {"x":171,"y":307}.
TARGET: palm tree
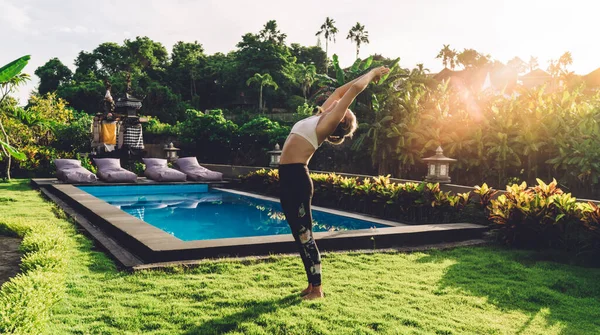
{"x":328,"y":30}
{"x":448,"y":56}
{"x":358,"y":35}
{"x":306,"y":75}
{"x":262,"y":80}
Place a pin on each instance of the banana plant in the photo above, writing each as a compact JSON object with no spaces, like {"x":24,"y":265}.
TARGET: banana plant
{"x":10,"y":77}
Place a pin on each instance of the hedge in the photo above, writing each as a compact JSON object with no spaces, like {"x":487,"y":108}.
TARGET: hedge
{"x":541,"y":216}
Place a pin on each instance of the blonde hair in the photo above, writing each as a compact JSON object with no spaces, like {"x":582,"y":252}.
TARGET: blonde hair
{"x":345,"y":128}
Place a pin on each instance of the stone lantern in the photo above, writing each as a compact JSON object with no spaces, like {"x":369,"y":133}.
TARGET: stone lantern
{"x":275,"y":156}
{"x":171,"y":152}
{"x":438,"y":167}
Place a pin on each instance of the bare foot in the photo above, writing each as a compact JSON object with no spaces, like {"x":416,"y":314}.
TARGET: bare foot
{"x":316,"y":293}
{"x":306,"y":290}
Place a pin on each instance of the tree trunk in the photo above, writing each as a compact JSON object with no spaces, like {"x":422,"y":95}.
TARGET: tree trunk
{"x":529,"y":168}
{"x":305,"y":91}
{"x":260,"y":101}
{"x":6,"y":151}
{"x":357,"y":50}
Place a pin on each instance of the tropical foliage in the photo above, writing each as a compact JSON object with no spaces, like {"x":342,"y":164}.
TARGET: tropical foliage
{"x":547,"y":132}
{"x":10,"y":78}
{"x":541,"y":216}
{"x":378,"y":196}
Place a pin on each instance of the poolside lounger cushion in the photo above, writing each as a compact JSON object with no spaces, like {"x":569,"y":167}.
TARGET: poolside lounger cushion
{"x":110,"y":170}
{"x":71,"y":171}
{"x":63,"y":163}
{"x":193,"y":170}
{"x":157,"y":169}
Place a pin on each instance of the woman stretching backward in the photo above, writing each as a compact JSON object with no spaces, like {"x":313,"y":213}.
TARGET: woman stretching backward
{"x":333,"y":124}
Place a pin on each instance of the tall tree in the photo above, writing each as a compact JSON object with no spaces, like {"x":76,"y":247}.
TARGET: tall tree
{"x":270,"y":33}
{"x":310,"y":55}
{"x":448,"y":56}
{"x":328,"y":30}
{"x":52,"y":74}
{"x":358,"y":35}
{"x":471,"y":58}
{"x":306,"y":76}
{"x":262,"y":80}
{"x":145,"y":54}
{"x":258,"y":54}
{"x":517,"y":64}
{"x":185,"y":62}
{"x":111,"y":59}
{"x":533,"y":63}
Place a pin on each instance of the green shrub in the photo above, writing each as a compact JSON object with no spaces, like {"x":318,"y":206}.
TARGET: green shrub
{"x":49,"y":259}
{"x":156,"y":131}
{"x":305,"y":110}
{"x":75,"y":135}
{"x":40,"y":161}
{"x":138,"y":168}
{"x":16,"y":226}
{"x":294,"y":102}
{"x":410,"y":202}
{"x":255,"y":138}
{"x":26,"y":299}
{"x":51,"y":237}
{"x":543,"y":216}
{"x":208,"y":136}
{"x":86,"y":162}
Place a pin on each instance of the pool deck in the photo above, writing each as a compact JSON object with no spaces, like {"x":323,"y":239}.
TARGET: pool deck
{"x":134,"y":243}
{"x":40,"y":182}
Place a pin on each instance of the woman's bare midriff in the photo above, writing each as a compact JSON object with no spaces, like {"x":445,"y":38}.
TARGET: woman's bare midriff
{"x":296,"y":149}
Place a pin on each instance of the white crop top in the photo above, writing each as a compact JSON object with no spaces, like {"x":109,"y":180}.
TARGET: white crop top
{"x":307,"y":128}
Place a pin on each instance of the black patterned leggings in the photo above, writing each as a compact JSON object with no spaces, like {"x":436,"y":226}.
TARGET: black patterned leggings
{"x":296,"y":195}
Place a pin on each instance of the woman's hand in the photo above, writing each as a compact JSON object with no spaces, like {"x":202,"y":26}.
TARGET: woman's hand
{"x":379,"y":72}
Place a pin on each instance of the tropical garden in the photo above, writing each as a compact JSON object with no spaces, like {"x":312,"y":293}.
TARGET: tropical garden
{"x":540,"y":145}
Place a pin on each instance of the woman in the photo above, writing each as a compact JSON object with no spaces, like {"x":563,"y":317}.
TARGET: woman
{"x":333,"y":123}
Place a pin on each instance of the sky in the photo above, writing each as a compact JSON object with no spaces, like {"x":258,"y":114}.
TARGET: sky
{"x":413,"y":30}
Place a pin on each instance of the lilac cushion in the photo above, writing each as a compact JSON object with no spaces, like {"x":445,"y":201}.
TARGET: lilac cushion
{"x":194,"y":171}
{"x":164,"y":174}
{"x":157,"y":169}
{"x":72,"y":174}
{"x":108,"y":163}
{"x":187,"y":162}
{"x":110,"y":170}
{"x":63,"y":163}
{"x":155,"y":162}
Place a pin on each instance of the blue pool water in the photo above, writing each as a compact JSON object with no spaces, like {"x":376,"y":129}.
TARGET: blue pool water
{"x":194,"y":212}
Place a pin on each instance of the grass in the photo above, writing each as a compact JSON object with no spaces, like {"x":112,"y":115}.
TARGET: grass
{"x":480,"y":290}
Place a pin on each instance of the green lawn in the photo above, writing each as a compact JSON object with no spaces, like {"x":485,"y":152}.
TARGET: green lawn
{"x":480,"y":290}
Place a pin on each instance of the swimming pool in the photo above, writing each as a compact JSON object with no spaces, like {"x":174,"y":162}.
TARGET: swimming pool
{"x":133,"y":241}
{"x":195,"y":212}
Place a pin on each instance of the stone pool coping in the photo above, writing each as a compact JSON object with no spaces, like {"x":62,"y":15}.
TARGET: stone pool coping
{"x":151,"y":245}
